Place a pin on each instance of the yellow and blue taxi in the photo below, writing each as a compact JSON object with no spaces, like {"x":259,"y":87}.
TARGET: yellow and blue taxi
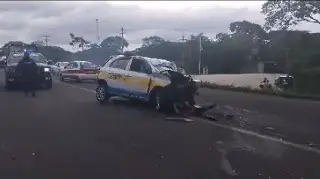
{"x":143,"y":78}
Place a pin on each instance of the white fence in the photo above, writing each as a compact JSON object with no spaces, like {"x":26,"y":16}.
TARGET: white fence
{"x":252,"y":80}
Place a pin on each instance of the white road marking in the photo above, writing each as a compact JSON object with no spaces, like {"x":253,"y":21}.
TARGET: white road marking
{"x":243,"y":131}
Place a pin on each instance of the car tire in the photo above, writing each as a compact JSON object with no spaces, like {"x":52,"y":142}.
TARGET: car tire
{"x":102,"y":94}
{"x":61,"y":78}
{"x":8,"y":85}
{"x":159,"y":101}
{"x":78,"y":80}
{"x":48,"y":85}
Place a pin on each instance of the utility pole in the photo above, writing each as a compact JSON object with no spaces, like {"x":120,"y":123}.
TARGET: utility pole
{"x":98,"y":35}
{"x":46,"y":39}
{"x":200,"y":49}
{"x":183,"y":39}
{"x":183,"y":59}
{"x":82,"y":43}
{"x":122,"y":40}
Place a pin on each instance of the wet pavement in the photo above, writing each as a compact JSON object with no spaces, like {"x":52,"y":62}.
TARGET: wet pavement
{"x":64,"y":133}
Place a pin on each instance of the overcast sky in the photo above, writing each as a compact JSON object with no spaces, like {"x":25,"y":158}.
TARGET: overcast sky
{"x":28,"y":21}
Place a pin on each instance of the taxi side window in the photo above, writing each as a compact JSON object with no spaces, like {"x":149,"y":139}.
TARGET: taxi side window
{"x":120,"y":63}
{"x":140,"y":66}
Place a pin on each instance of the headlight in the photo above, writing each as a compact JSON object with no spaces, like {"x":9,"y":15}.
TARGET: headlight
{"x":46,"y":69}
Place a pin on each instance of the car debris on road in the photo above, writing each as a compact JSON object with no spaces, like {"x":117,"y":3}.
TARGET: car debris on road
{"x":193,"y":111}
{"x":179,"y":119}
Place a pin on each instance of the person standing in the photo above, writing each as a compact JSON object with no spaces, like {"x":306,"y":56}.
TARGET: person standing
{"x":27,"y":68}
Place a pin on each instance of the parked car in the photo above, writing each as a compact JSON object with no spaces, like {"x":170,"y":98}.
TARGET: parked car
{"x":79,"y":71}
{"x":156,"y":81}
{"x":284,"y":82}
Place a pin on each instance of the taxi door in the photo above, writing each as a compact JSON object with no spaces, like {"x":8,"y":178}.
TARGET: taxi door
{"x":116,"y":73}
{"x":138,"y":78}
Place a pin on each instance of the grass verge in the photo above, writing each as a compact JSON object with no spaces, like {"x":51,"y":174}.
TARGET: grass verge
{"x":247,"y":89}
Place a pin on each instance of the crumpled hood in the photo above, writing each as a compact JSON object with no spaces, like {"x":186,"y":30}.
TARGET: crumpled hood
{"x":177,"y":77}
{"x":180,"y":74}
{"x":164,"y":68}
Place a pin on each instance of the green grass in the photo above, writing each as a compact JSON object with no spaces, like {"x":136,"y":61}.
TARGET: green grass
{"x":247,"y":89}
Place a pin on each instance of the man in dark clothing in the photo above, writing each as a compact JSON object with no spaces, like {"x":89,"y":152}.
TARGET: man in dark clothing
{"x":27,"y":68}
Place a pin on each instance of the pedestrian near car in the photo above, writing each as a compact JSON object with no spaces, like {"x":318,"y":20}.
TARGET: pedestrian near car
{"x":27,"y":69}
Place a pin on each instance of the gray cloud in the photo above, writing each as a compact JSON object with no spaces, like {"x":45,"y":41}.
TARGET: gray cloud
{"x":28,"y":21}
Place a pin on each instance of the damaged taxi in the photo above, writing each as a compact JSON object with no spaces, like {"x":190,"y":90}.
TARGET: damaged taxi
{"x":156,"y":81}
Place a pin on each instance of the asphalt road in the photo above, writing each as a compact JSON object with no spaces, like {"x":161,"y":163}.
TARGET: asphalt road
{"x":294,"y":120}
{"x":64,"y":133}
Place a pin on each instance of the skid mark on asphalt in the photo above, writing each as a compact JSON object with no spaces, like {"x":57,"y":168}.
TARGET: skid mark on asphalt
{"x":243,"y":131}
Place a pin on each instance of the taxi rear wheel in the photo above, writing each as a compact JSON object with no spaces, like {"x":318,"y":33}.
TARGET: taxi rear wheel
{"x":102,"y":94}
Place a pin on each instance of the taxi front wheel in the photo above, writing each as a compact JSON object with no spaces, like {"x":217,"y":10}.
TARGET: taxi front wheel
{"x":102,"y":94}
{"x":160,"y":101}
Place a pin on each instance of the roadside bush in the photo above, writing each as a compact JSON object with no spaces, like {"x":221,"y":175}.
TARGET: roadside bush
{"x":307,"y":81}
{"x":286,"y":94}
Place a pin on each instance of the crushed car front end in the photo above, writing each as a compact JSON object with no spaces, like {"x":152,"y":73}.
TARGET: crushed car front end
{"x":181,"y":89}
{"x":177,"y":89}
